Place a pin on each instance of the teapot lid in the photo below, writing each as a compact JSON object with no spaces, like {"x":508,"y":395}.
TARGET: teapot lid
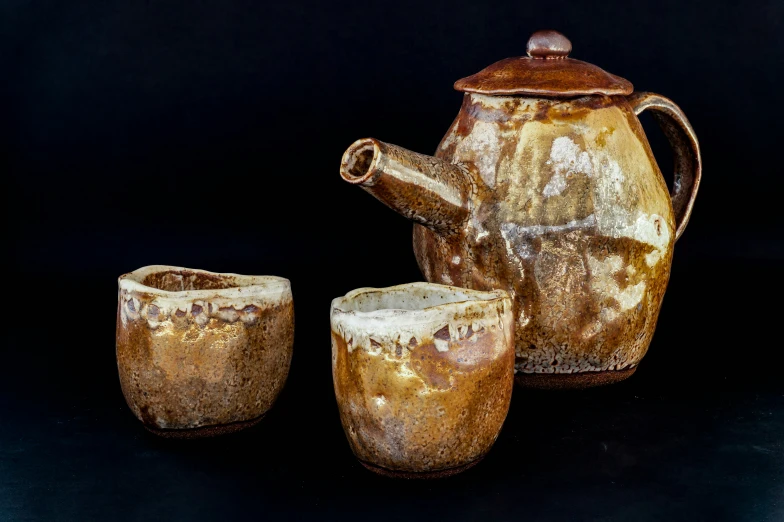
{"x":546,"y":71}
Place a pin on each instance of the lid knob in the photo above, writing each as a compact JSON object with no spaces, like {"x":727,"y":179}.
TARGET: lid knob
{"x":548,"y":45}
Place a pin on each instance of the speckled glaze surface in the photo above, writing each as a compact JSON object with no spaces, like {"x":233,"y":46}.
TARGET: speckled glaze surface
{"x":423,"y":375}
{"x":201,"y":353}
{"x":558,"y":200}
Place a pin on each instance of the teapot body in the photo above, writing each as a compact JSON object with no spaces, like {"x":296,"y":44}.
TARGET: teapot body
{"x":569,"y":213}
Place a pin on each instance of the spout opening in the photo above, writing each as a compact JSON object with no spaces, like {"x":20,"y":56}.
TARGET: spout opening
{"x":359,"y":161}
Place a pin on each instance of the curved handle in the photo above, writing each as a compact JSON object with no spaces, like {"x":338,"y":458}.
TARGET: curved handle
{"x":685,"y":148}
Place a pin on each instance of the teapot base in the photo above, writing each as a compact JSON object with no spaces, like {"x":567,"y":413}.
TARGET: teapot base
{"x":571,"y":381}
{"x":419,"y":474}
{"x":205,"y":431}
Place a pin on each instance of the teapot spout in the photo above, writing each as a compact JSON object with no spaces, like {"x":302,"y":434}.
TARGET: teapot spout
{"x":426,"y":189}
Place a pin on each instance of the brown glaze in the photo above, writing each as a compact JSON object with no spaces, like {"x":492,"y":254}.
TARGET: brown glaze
{"x":546,"y":71}
{"x":202,"y":352}
{"x":567,"y":210}
{"x":423,"y":388}
{"x":548,"y":45}
{"x":442,"y":204}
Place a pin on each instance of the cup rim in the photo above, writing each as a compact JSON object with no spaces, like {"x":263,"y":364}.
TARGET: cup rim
{"x":244,"y":285}
{"x":478,"y":297}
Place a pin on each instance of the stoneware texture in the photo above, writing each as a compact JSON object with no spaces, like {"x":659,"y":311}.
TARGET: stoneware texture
{"x":423,"y":375}
{"x":556,"y":199}
{"x":201,"y":353}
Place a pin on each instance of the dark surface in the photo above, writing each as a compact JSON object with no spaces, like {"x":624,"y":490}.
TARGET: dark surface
{"x":209,"y":135}
{"x":697,"y":433}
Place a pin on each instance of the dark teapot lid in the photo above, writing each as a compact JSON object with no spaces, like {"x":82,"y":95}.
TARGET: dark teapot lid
{"x":546,"y":71}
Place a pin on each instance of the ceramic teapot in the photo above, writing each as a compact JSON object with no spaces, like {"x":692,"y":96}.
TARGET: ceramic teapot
{"x":545,"y":186}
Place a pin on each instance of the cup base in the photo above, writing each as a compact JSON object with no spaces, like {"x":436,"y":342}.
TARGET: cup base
{"x":205,"y":431}
{"x":442,"y":473}
{"x":571,"y":381}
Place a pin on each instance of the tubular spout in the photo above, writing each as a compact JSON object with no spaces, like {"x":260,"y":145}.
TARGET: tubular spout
{"x":423,"y":188}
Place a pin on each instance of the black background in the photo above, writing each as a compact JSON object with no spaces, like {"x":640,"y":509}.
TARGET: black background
{"x":208,"y":134}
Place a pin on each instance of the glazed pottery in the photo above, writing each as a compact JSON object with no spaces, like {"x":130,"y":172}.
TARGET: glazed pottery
{"x":201,"y":353}
{"x":423,"y":375}
{"x":545,"y":186}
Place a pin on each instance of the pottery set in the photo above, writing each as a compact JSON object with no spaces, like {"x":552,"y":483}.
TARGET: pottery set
{"x":545,"y":228}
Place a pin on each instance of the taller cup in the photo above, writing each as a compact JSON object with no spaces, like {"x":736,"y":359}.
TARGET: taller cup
{"x":423,"y":375}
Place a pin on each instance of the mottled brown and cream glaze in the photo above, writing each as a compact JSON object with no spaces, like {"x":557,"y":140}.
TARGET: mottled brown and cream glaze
{"x":558,"y":200}
{"x":201,"y":353}
{"x":423,"y":375}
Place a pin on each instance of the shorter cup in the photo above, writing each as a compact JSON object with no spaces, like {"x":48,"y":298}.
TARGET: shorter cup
{"x":201,"y":353}
{"x":423,"y":375}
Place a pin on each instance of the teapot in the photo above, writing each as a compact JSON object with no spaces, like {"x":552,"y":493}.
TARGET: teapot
{"x":546,"y":186}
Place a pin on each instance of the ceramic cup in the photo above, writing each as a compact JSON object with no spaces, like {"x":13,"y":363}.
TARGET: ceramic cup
{"x":423,"y":375}
{"x":201,"y":353}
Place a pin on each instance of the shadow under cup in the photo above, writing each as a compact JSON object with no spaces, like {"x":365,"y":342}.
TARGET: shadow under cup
{"x":201,"y":353}
{"x":423,"y":375}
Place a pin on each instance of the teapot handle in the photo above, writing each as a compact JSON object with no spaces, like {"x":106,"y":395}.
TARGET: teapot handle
{"x":686,"y":152}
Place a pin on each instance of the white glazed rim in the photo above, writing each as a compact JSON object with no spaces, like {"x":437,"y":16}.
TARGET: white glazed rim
{"x":470,"y":310}
{"x":245,"y":285}
{"x":472,"y":297}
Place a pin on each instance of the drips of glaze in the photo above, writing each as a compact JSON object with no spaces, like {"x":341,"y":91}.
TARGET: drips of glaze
{"x":422,"y":386}
{"x":198,"y":349}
